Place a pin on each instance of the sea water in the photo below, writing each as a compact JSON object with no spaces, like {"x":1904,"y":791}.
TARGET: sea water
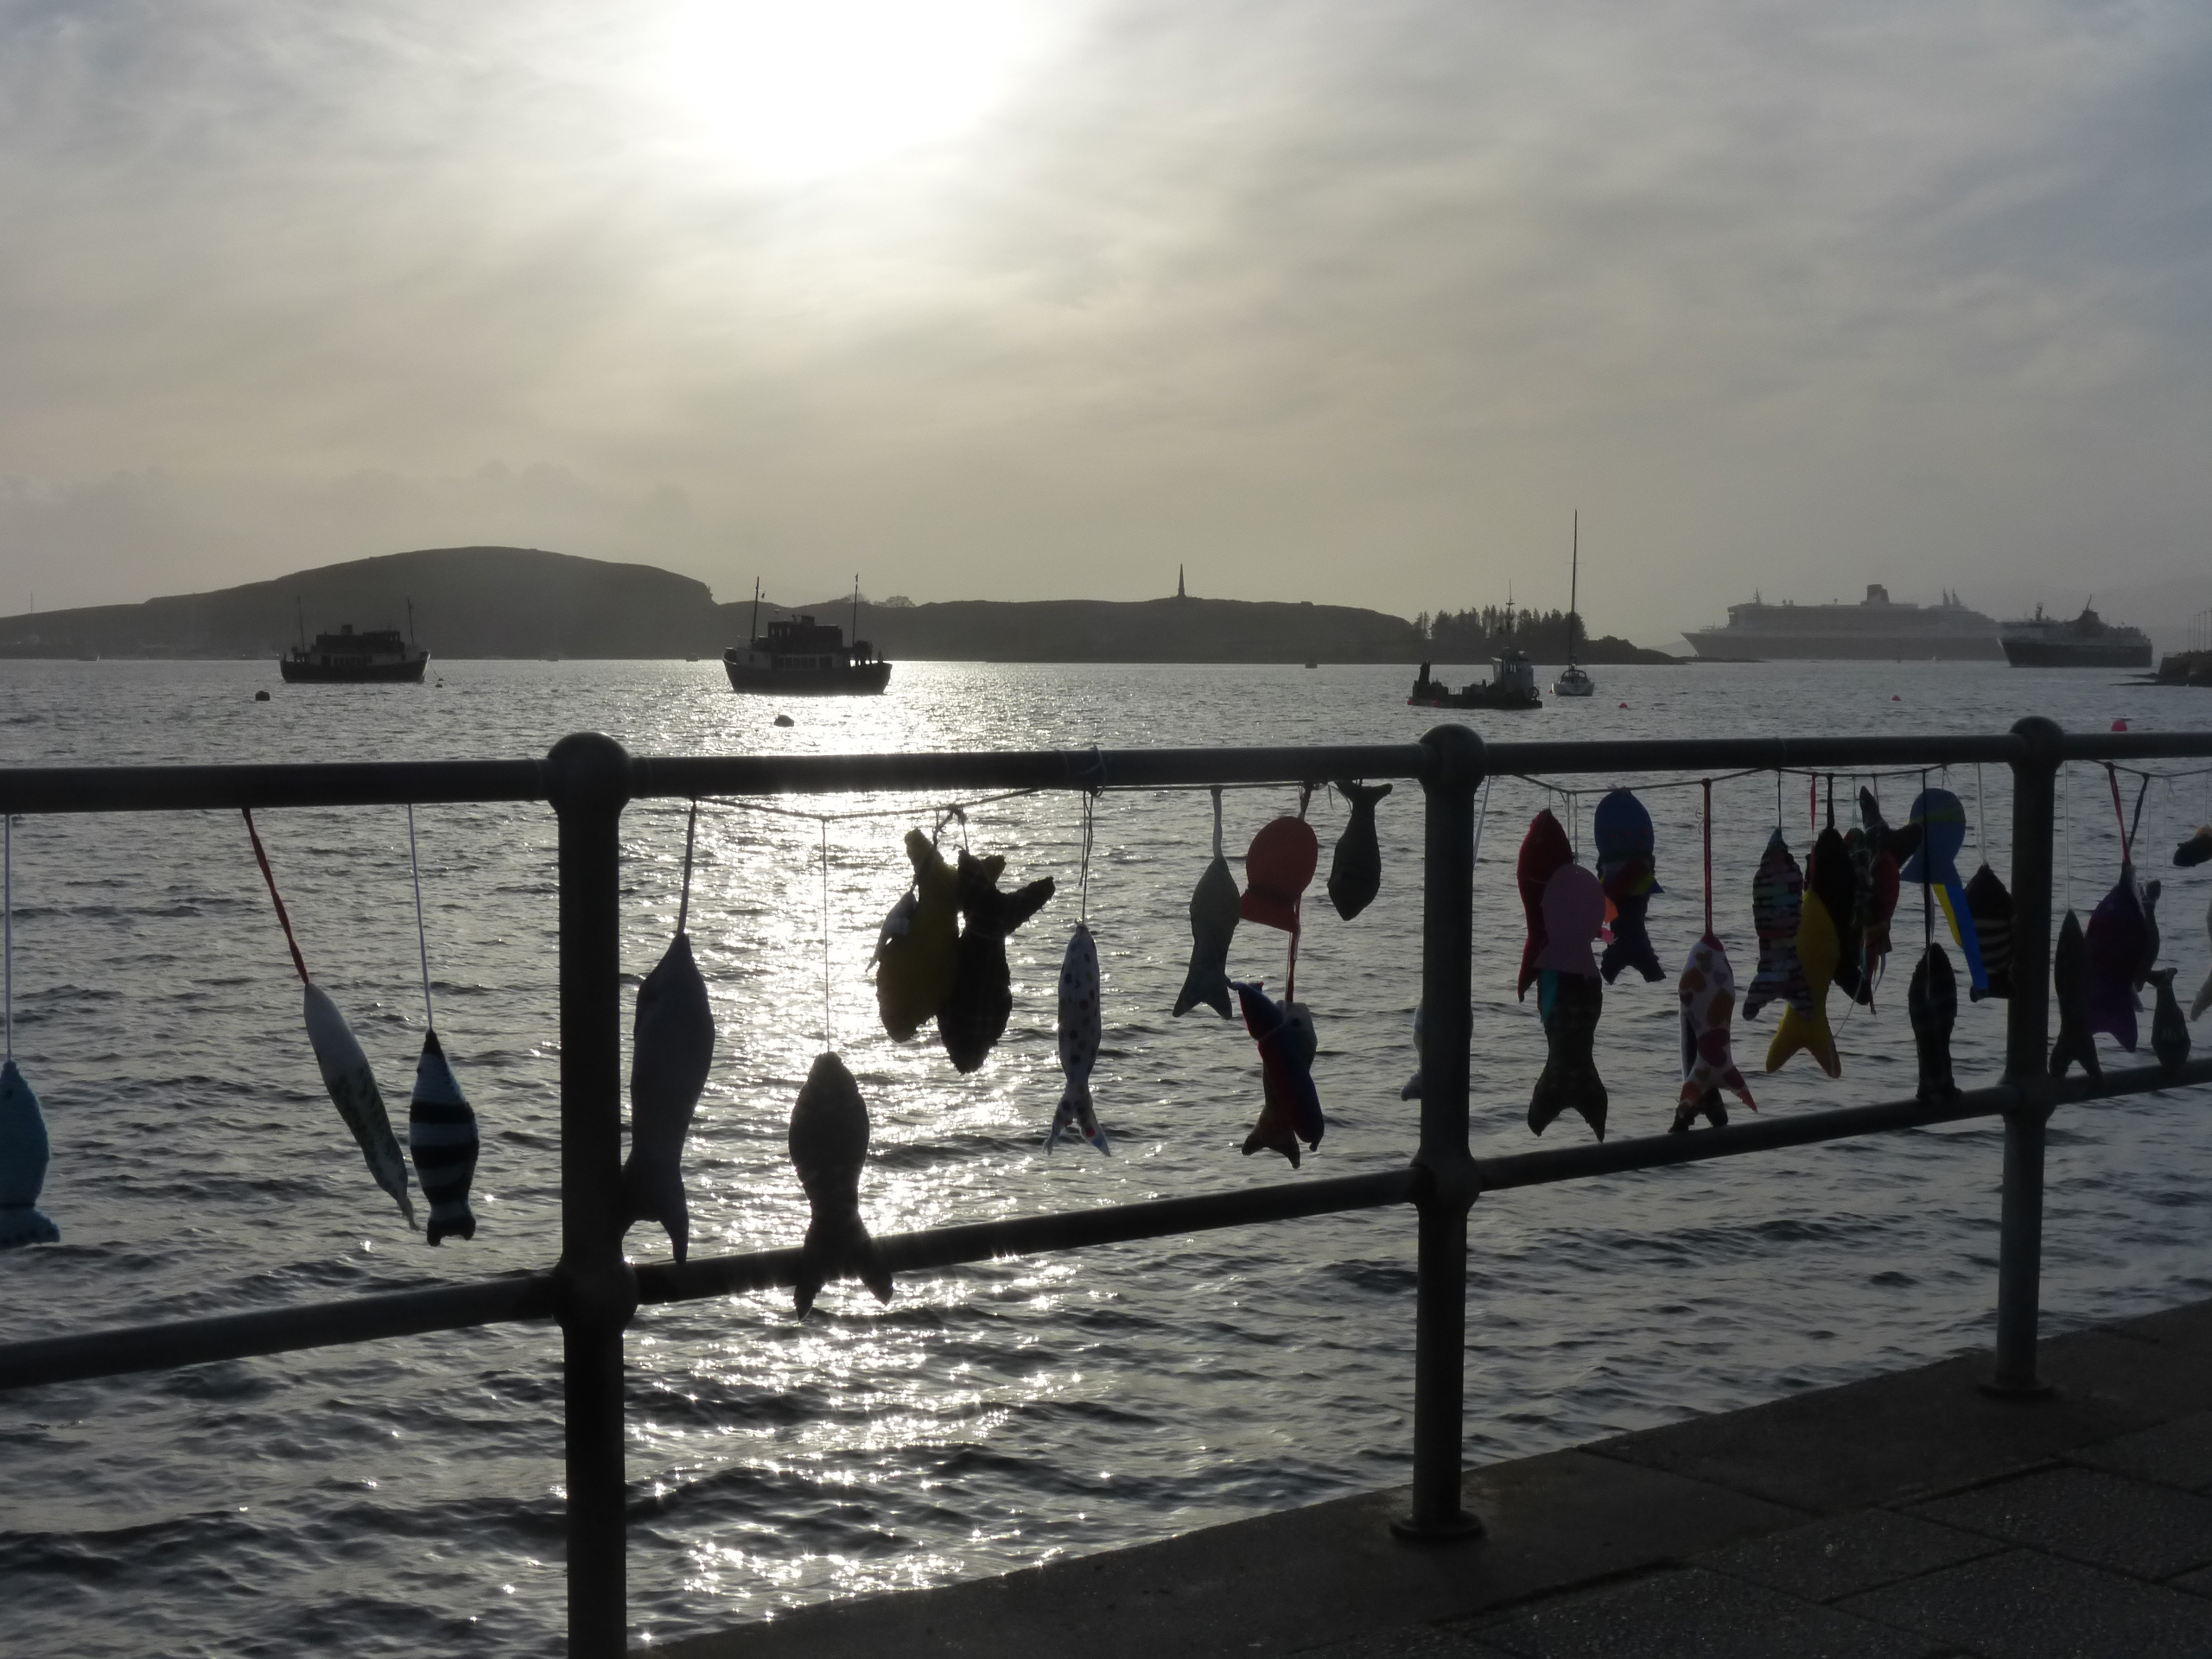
{"x":405,"y":1496}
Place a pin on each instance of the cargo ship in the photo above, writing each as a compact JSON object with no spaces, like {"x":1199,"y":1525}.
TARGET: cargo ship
{"x":801,"y":658}
{"x":1876,"y":629}
{"x":380,"y":656}
{"x":2088,"y":641}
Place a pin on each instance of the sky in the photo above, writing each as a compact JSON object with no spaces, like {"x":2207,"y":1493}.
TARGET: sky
{"x":1043,"y":298}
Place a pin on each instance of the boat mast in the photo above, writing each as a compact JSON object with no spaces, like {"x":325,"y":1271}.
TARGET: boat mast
{"x":854,"y":637}
{"x":1574,"y":586}
{"x":300,"y":607}
{"x":754,"y":638}
{"x":410,"y":624}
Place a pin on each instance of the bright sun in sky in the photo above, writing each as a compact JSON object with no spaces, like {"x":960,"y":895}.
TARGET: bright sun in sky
{"x":799,"y":90}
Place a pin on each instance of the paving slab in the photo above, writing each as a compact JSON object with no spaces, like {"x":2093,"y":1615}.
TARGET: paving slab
{"x":2023,"y":1605}
{"x":1689,"y":1614}
{"x":1412,"y":1642}
{"x":2174,"y":1454}
{"x":2187,"y":1329}
{"x":2163,"y":1379}
{"x":1848,"y":1553}
{"x":2133,"y":1527}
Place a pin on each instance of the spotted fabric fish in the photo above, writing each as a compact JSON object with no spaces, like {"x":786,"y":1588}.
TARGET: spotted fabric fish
{"x":2115,"y":950}
{"x":1215,"y":908}
{"x":828,"y":1147}
{"x":24,"y":1150}
{"x":1356,"y":868}
{"x":1777,"y":897}
{"x":353,"y":1091}
{"x":1627,"y":870}
{"x":1707,"y":991}
{"x":441,"y":1136}
{"x":917,"y":951}
{"x":1544,"y":850}
{"x":671,"y":1048}
{"x":1568,"y":1005}
{"x":2169,"y":1031}
{"x":2069,"y":971}
{"x":974,"y":1016}
{"x":1828,"y":889}
{"x":1990,"y":907}
{"x":1292,"y":1111}
{"x":1931,"y":1003}
{"x":1082,"y":1029}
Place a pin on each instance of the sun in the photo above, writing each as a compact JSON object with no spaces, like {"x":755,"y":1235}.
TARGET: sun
{"x":800,"y":90}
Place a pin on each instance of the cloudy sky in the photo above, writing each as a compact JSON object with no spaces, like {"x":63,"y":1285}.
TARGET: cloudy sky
{"x":1033,"y":298}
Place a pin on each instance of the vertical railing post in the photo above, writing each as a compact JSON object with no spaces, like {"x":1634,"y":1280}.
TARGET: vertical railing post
{"x":1448,"y":1190}
{"x":2027,"y":1050}
{"x":589,"y":778}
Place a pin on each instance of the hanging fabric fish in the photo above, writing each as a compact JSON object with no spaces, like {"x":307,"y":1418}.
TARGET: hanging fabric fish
{"x":2148,"y":958}
{"x":2203,"y":999}
{"x":1990,"y":905}
{"x":1216,"y":907}
{"x":2114,"y":950}
{"x":1877,"y":861}
{"x":1081,"y":1031}
{"x":1828,"y":889}
{"x":23,"y":1153}
{"x":2068,"y":972}
{"x":1356,"y":868}
{"x":1707,"y":991}
{"x":1777,"y":898}
{"x":1851,"y":976}
{"x":916,"y":954}
{"x":1627,"y":869}
{"x":1412,"y":1091}
{"x":1941,"y":819}
{"x":2196,"y":850}
{"x":1292,"y":1111}
{"x":1544,"y":851}
{"x":2169,"y":1031}
{"x":1279,"y":867}
{"x":1570,"y":997}
{"x":442,"y":1137}
{"x":671,"y":1048}
{"x":828,"y":1147}
{"x":1931,"y":1004}
{"x":974,"y":1017}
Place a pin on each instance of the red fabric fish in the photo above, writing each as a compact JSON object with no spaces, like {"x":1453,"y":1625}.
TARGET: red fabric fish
{"x":1293,"y":1111}
{"x":1279,"y":867}
{"x":1544,"y":851}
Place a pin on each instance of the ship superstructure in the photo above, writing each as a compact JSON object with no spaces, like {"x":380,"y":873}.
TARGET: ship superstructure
{"x":2088,"y":641}
{"x":1876,"y":629}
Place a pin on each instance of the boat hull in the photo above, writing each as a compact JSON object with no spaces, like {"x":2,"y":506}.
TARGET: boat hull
{"x":1739,"y":646}
{"x":1477,"y":697}
{"x":859,"y":680}
{"x":2045,"y":653}
{"x":406,"y":673}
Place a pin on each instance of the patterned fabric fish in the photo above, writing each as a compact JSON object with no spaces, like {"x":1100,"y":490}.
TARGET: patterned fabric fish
{"x":2196,"y":850}
{"x":1852,"y":978}
{"x":24,"y":1150}
{"x":671,"y":1048}
{"x":442,"y":1137}
{"x":1216,"y":907}
{"x":1941,"y":819}
{"x":2115,"y":950}
{"x":1818,"y":948}
{"x":1707,"y":991}
{"x":1292,"y":1111}
{"x":353,"y":1091}
{"x":1879,"y":878}
{"x":1279,"y":867}
{"x":2069,"y":971}
{"x":1544,"y":850}
{"x":1356,"y":868}
{"x":1627,"y":869}
{"x":1412,"y":1091}
{"x":917,"y":951}
{"x":1082,"y":1028}
{"x":1777,"y":898}
{"x":2203,"y":999}
{"x":1931,"y":1004}
{"x":2169,"y":1031}
{"x":974,"y":1017}
{"x":1992,"y":908}
{"x":829,"y":1147}
{"x":1568,"y":1005}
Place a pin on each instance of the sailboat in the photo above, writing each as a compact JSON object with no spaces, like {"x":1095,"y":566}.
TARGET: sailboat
{"x":1574,"y":682}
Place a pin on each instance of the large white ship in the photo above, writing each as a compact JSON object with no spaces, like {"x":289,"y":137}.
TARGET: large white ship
{"x":1876,"y":629}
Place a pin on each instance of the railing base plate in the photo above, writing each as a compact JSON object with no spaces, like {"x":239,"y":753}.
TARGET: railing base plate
{"x":1451,"y":1530}
{"x":1998,"y":1389}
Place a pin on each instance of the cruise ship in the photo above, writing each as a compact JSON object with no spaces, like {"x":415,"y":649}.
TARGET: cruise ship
{"x":2088,"y":641}
{"x":1876,"y":629}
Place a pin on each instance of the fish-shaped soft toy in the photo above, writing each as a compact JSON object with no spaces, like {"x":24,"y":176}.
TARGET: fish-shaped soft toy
{"x":1992,"y":908}
{"x":1777,"y":900}
{"x":442,"y":1137}
{"x":24,"y":1150}
{"x":1082,"y":1029}
{"x":2069,"y":973}
{"x":671,"y":1048}
{"x":1356,"y":868}
{"x":2169,"y":1031}
{"x":828,"y":1146}
{"x":1544,"y":850}
{"x":1412,"y":1091}
{"x":1568,"y":1004}
{"x":2196,"y":850}
{"x":974,"y":1017}
{"x":1574,"y":913}
{"x":1279,"y":867}
{"x":1940,"y":817}
{"x":2148,"y":958}
{"x":1627,"y":869}
{"x":1852,"y":978}
{"x":1215,"y":908}
{"x":1931,"y":1005}
{"x":1292,"y":1111}
{"x":1707,"y":990}
{"x":1818,"y":947}
{"x":2115,"y":950}
{"x":353,"y":1091}
{"x":2203,"y":999}
{"x":918,"y":952}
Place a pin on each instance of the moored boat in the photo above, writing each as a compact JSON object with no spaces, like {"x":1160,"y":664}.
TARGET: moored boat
{"x":1574,"y":681}
{"x":1512,"y":684}
{"x":801,"y":658}
{"x":2088,"y":641}
{"x":379,"y":657}
{"x":1876,"y":629}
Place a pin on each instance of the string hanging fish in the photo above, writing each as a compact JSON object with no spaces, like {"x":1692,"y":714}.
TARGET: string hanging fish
{"x":1544,"y":852}
{"x":1828,"y":889}
{"x":1941,"y":819}
{"x":1292,"y":1108}
{"x":1931,"y":1003}
{"x":828,"y":1147}
{"x":1990,"y":907}
{"x":2169,"y":1031}
{"x":353,"y":1091}
{"x":917,"y":953}
{"x":1081,"y":1031}
{"x":2203,"y":999}
{"x":1216,"y":907}
{"x":1279,"y":867}
{"x":1777,"y":898}
{"x":443,"y":1139}
{"x":1627,"y":869}
{"x":24,"y":1150}
{"x":1707,"y":991}
{"x":974,"y":1017}
{"x":671,"y":1048}
{"x":2148,"y":958}
{"x":1570,"y":997}
{"x":2068,"y":970}
{"x":1876,"y":856}
{"x":1356,"y":868}
{"x":2114,"y":950}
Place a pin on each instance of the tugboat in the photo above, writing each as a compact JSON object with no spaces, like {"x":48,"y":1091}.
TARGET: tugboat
{"x":1512,"y":684}
{"x":801,"y":658}
{"x":2088,"y":641}
{"x":1573,"y":681}
{"x":379,"y":657}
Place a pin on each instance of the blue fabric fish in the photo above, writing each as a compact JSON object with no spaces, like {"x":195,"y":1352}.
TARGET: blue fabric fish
{"x":2114,"y":951}
{"x":23,"y":1153}
{"x":1941,"y":819}
{"x":441,"y":1136}
{"x":1627,"y":869}
{"x":1293,"y":1108}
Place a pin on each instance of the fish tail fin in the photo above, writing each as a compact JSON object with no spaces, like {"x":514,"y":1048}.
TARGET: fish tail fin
{"x":2076,"y":1049}
{"x":1809,"y":1031}
{"x":649,"y":1195}
{"x":1206,"y":985}
{"x":807,"y":1284}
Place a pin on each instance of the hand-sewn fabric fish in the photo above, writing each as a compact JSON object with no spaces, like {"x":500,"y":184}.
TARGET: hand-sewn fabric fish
{"x":2114,"y":949}
{"x":1082,"y":1029}
{"x":2196,"y":850}
{"x":1627,"y":869}
{"x":2169,"y":1031}
{"x":1931,"y":1003}
{"x":1828,"y":884}
{"x":1941,"y":819}
{"x":23,"y":1153}
{"x":828,"y":1146}
{"x":1568,"y":1005}
{"x":1707,"y":991}
{"x":1279,"y":867}
{"x":2203,"y":999}
{"x":353,"y":1091}
{"x":1543,"y":852}
{"x":2069,"y":971}
{"x":1992,"y":908}
{"x":974,"y":1017}
{"x":918,"y":952}
{"x":1292,"y":1111}
{"x":1852,"y":976}
{"x":1356,"y":868}
{"x":1777,"y":898}
{"x":441,"y":1136}
{"x":671,"y":1048}
{"x":1574,"y":911}
{"x":1412,"y":1091}
{"x":1215,"y":908}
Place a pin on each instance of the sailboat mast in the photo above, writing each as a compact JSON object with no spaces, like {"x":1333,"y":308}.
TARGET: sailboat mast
{"x":1574,"y":586}
{"x":854,"y":636}
{"x":753,"y":635}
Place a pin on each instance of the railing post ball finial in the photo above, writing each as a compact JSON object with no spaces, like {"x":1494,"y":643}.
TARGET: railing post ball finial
{"x":586,"y":768}
{"x":2044,"y":735}
{"x":1455,"y":756}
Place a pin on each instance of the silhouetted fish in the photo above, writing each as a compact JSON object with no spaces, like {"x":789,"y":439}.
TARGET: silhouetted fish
{"x":2075,"y":1046}
{"x":24,"y":1150}
{"x":1216,"y":906}
{"x":1292,"y":1110}
{"x":1627,"y":869}
{"x":1356,"y":868}
{"x":2115,"y":950}
{"x":2196,"y":850}
{"x":1543,"y":851}
{"x":671,"y":1048}
{"x":1568,"y":1004}
{"x":1931,"y":1003}
{"x":917,"y":953}
{"x":2169,"y":1031}
{"x":829,"y":1147}
{"x":1082,"y":1028}
{"x":441,"y":1136}
{"x":974,"y":1017}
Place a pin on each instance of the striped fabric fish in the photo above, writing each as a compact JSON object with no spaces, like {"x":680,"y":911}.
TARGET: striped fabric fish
{"x":2169,"y":1031}
{"x":1931,"y":1004}
{"x":24,"y":1150}
{"x":1707,"y":990}
{"x":1992,"y":907}
{"x":1778,"y":893}
{"x":671,"y":1048}
{"x":1827,"y":890}
{"x":353,"y":1091}
{"x":1081,"y":1030}
{"x":2068,"y":972}
{"x":828,"y":1148}
{"x":441,"y":1136}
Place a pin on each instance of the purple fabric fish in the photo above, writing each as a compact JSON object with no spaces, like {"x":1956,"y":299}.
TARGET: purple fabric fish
{"x":2114,"y":950}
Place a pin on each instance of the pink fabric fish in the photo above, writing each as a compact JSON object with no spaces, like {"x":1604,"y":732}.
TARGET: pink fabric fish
{"x":1707,"y":990}
{"x":1543,"y":852}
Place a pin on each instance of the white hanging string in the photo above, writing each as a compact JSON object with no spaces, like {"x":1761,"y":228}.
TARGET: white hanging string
{"x":2065,"y":802}
{"x":421,"y":940}
{"x":8,"y":920}
{"x":829,"y":1041}
{"x":1481,"y":818}
{"x":1083,"y":881}
{"x":690,"y":837}
{"x":1980,"y":818}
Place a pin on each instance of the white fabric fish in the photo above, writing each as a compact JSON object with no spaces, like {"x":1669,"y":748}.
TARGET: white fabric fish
{"x":1082,"y":1029}
{"x":828,"y":1147}
{"x":441,"y":1136}
{"x":23,"y":1153}
{"x":352,"y":1089}
{"x":673,"y":1046}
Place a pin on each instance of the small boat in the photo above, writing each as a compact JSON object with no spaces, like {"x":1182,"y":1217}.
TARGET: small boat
{"x":379,"y":657}
{"x":2088,"y":641}
{"x":1512,"y":684}
{"x":801,"y":658}
{"x":1573,"y":681}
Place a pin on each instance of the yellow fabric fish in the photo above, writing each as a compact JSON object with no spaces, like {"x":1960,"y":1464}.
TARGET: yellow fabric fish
{"x":1819,"y":948}
{"x":917,"y":950}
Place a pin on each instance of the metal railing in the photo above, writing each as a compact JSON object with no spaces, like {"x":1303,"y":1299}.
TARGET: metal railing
{"x":593,"y":1293}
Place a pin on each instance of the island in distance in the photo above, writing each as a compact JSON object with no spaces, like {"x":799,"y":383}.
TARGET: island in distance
{"x":526,"y":602}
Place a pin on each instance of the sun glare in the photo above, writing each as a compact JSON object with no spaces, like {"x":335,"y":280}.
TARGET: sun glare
{"x":798,"y":89}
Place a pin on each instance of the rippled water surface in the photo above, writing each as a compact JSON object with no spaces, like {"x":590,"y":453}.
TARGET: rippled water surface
{"x":403,"y":1495}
